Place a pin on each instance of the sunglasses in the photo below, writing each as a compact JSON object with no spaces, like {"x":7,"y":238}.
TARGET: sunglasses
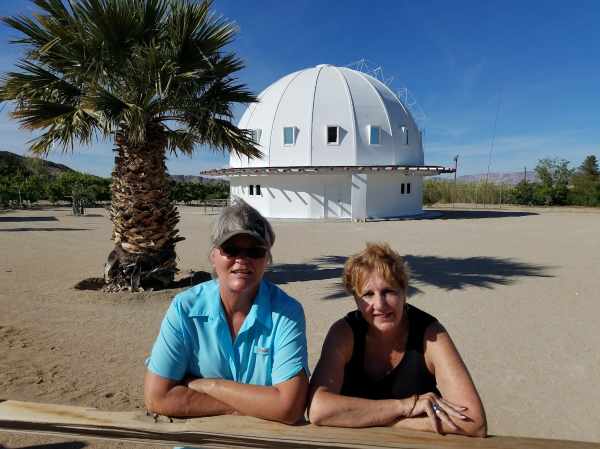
{"x":254,"y":252}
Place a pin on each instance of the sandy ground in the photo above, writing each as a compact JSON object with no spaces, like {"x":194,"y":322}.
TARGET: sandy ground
{"x":518,"y":291}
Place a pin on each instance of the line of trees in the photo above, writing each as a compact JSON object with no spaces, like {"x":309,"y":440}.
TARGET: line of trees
{"x":187,"y":192}
{"x":25,"y":187}
{"x":21,"y":189}
{"x":557,"y":185}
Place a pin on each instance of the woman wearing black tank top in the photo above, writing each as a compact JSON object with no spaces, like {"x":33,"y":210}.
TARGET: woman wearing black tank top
{"x":389,"y":363}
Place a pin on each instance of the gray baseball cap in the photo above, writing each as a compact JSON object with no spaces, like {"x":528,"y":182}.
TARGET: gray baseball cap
{"x":241,"y":218}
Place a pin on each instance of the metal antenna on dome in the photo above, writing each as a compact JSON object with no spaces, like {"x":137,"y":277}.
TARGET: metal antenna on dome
{"x":403,"y":93}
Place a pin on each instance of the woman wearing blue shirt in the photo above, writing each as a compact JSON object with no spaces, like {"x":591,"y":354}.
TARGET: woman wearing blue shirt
{"x":236,"y":344}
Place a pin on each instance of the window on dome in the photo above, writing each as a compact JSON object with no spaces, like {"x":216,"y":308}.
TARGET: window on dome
{"x":374,"y":135}
{"x":333,"y":135}
{"x":255,"y":135}
{"x":405,"y":134}
{"x":408,"y":188}
{"x":402,"y":189}
{"x":289,"y":135}
{"x":258,"y":189}
{"x":251,"y":189}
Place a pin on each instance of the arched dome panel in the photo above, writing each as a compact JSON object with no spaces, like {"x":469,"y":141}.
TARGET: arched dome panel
{"x":332,"y":107}
{"x":294,"y":111}
{"x":369,"y":111}
{"x":406,"y":134}
{"x":260,"y":116}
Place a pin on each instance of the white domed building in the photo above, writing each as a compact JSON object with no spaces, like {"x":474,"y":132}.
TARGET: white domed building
{"x":336,"y":143}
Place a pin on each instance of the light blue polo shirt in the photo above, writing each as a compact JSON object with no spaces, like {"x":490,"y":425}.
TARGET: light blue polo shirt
{"x":194,"y":338}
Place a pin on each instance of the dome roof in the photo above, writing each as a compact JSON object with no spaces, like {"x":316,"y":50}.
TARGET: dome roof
{"x":328,"y":115}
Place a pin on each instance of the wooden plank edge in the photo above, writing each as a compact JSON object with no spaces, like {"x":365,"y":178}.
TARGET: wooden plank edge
{"x":212,"y":440}
{"x":132,"y":426}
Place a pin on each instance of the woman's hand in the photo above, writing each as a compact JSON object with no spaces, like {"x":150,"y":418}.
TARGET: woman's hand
{"x":438,"y":409}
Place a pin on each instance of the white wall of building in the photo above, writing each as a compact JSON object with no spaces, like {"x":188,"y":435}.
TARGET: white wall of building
{"x":357,"y":196}
{"x":384,"y":197}
{"x":297,"y":196}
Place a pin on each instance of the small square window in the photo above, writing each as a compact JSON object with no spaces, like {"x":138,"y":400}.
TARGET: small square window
{"x":251,"y":189}
{"x":289,"y":135}
{"x":402,"y":188}
{"x":333,"y":135}
{"x":408,"y":188}
{"x":255,"y":134}
{"x":374,"y":135}
{"x":405,"y":134}
{"x":258,"y":189}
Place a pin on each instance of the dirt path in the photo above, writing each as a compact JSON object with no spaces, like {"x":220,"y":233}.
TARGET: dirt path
{"x":518,"y":291}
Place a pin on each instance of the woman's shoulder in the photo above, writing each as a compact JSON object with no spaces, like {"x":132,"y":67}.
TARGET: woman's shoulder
{"x":419,"y":317}
{"x":280,"y":301}
{"x":340,"y":339}
{"x":355,"y":322}
{"x":195,"y":298}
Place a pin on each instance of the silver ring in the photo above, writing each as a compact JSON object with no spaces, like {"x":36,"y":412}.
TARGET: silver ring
{"x":436,"y":408}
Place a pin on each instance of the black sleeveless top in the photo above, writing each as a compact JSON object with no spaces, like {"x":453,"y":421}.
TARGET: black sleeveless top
{"x":409,"y":377}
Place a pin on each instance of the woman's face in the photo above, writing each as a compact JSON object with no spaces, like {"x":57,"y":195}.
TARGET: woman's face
{"x":237,"y":270}
{"x":381,"y":304}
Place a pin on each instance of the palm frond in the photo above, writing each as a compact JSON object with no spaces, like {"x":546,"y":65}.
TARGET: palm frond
{"x":224,"y":136}
{"x":63,"y":127}
{"x":37,"y":82}
{"x":181,"y":140}
{"x":124,"y":64}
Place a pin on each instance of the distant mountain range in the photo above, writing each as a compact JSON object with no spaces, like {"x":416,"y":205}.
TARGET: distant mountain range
{"x":11,"y":162}
{"x":196,"y":179}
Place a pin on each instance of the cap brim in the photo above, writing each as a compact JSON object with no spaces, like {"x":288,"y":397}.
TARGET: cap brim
{"x":232,"y":234}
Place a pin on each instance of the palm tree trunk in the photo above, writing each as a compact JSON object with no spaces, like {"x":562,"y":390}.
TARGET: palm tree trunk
{"x":143,"y":216}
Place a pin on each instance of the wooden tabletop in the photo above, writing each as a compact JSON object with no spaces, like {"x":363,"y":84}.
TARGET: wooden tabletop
{"x":239,"y":431}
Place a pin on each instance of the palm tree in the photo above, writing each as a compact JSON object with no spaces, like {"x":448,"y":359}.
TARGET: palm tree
{"x":151,"y":75}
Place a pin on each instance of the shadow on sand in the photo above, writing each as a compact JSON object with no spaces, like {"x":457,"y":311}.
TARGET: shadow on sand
{"x":185,"y":281}
{"x":448,"y":273}
{"x":26,"y":219}
{"x":449,"y":214}
{"x":65,"y":445}
{"x":42,"y":229}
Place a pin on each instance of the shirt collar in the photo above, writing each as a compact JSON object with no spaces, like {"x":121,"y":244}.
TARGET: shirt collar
{"x":261,"y":308}
{"x":208,"y":304}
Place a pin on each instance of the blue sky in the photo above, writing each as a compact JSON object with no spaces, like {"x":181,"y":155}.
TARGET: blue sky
{"x":538,"y":61}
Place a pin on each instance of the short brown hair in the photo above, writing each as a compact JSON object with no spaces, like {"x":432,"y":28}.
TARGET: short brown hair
{"x":375,"y":258}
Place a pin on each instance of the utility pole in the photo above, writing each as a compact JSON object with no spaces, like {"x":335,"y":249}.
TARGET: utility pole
{"x":525,"y":175}
{"x":455,"y":170}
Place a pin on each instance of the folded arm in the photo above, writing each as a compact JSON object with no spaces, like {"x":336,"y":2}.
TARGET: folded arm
{"x":284,"y":402}
{"x":170,"y":398}
{"x":456,"y":387}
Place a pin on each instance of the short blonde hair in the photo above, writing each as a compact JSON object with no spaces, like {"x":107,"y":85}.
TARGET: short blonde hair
{"x":375,"y":258}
